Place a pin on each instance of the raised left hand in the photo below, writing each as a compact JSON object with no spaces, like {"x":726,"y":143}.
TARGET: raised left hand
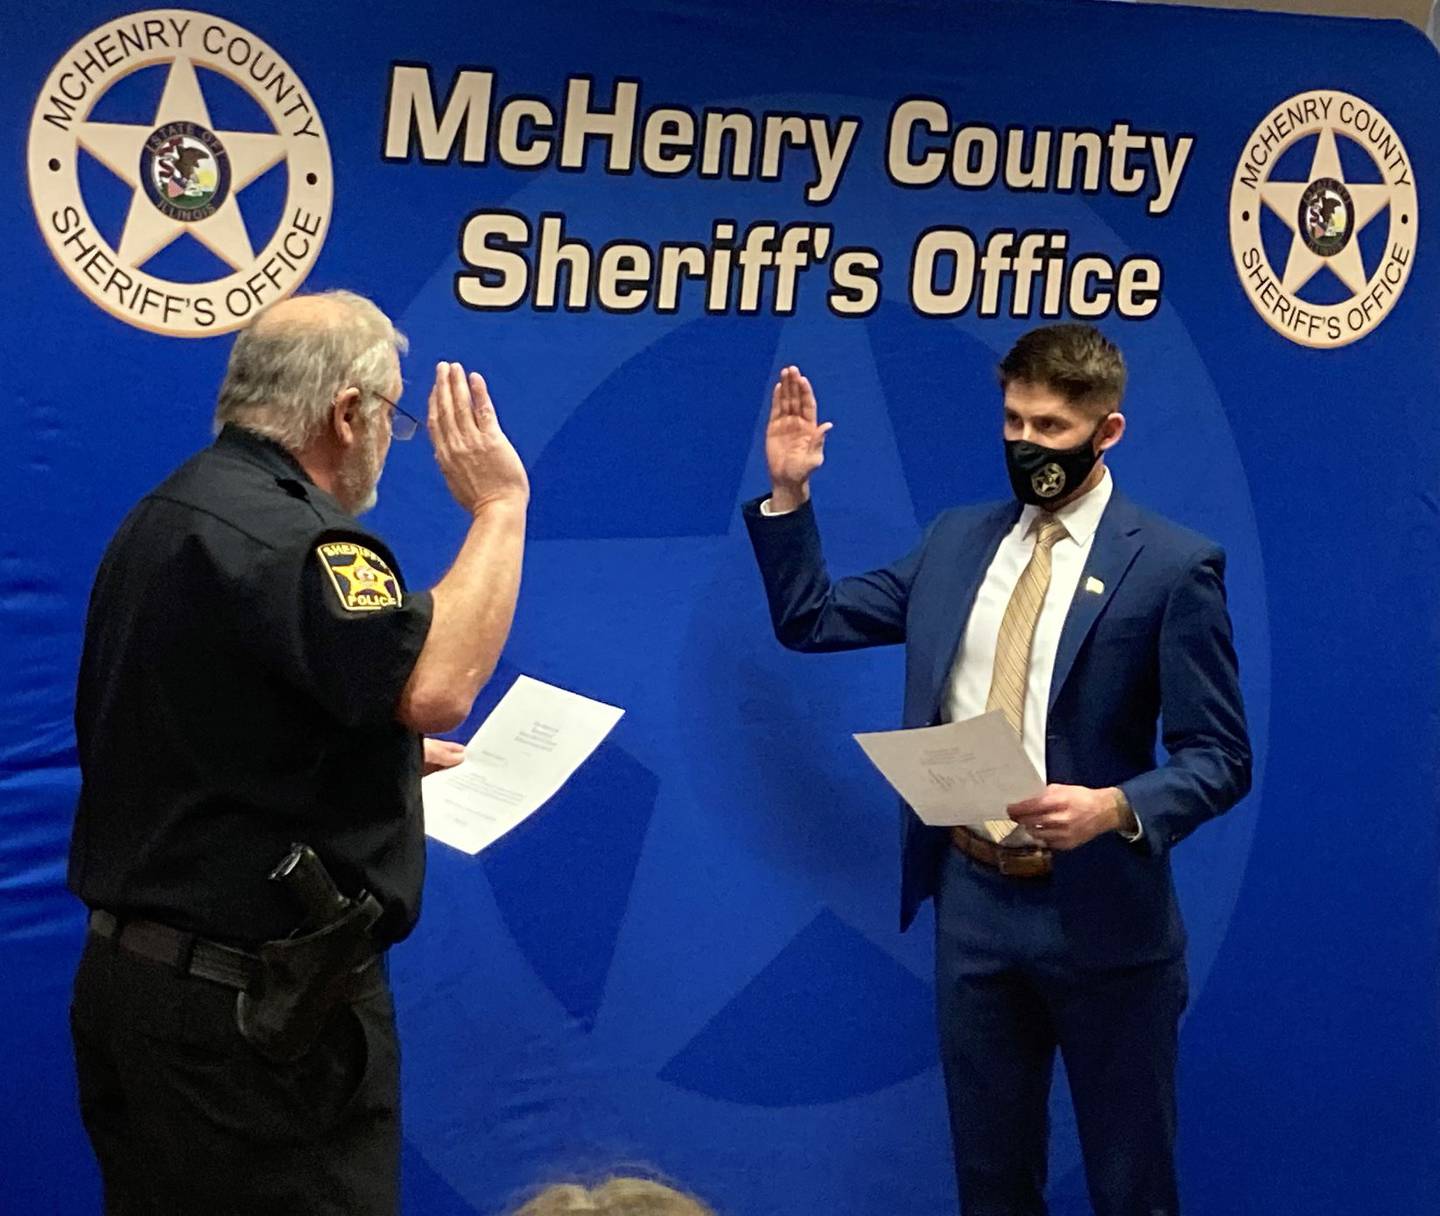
{"x":440,"y":753}
{"x":1067,"y":816}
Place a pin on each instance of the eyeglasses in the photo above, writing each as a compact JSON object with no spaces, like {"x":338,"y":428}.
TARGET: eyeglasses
{"x":403,"y":425}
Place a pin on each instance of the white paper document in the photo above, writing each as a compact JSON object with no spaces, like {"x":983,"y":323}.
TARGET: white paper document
{"x":957,"y":773}
{"x":528,"y":747}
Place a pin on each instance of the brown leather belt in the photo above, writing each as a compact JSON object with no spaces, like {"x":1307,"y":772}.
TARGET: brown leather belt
{"x":188,"y":954}
{"x":1013,"y":863}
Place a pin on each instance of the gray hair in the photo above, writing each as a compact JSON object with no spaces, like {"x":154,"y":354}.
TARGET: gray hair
{"x":616,"y":1197}
{"x":285,"y":370}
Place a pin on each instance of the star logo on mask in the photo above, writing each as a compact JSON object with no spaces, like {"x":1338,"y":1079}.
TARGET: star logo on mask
{"x":1048,"y":480}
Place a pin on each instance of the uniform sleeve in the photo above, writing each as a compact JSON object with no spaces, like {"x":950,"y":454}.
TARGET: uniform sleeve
{"x":332,"y":618}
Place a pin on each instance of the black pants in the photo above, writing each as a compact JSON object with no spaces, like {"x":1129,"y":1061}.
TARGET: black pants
{"x":186,"y":1118}
{"x":1008,"y":996}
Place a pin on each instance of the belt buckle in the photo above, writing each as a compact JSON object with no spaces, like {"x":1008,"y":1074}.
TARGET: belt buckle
{"x":1020,"y":863}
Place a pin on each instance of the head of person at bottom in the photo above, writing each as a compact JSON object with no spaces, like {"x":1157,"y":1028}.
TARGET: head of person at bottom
{"x":614,"y":1197}
{"x":320,"y":375}
{"x":1062,"y":386}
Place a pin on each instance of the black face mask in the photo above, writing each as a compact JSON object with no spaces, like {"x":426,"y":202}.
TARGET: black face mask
{"x":1043,"y":476}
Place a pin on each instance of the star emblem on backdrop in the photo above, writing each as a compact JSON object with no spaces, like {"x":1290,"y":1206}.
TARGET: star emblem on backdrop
{"x":125,"y":149}
{"x":1325,"y":215}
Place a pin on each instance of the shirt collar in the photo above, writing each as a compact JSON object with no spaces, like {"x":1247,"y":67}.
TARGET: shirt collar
{"x":1081,"y":516}
{"x":263,"y":451}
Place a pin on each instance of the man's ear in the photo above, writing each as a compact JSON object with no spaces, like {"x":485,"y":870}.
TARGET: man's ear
{"x":345,"y":416}
{"x":1112,"y":430}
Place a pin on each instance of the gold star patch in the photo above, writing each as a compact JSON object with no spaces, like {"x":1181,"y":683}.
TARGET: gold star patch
{"x":363,"y":582}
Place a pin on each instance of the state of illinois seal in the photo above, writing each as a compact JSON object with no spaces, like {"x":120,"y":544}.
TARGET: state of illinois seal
{"x":186,"y":175}
{"x":186,"y":171}
{"x":1329,"y":291}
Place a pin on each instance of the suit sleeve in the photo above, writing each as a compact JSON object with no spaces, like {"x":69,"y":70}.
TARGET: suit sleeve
{"x":808,"y":611}
{"x":1202,"y":715}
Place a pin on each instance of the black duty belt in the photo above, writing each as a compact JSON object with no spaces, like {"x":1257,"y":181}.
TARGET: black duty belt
{"x":188,"y":954}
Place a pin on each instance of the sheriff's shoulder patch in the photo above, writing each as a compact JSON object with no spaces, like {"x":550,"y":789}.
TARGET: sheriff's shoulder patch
{"x":361,"y":579}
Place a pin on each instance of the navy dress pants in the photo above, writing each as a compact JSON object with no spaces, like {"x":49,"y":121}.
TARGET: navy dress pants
{"x":1008,"y":996}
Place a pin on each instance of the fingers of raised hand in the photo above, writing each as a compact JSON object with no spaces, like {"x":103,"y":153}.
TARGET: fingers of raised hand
{"x":482,"y":406}
{"x":777,"y":400}
{"x":462,"y":415}
{"x":795,"y":387}
{"x":806,"y":395}
{"x":441,"y":409}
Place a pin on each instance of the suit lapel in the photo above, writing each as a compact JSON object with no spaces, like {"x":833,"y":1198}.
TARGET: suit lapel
{"x":976,"y":552}
{"x":1118,"y":539}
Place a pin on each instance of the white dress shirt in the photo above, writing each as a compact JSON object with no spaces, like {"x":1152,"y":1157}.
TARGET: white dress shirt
{"x":968,"y":687}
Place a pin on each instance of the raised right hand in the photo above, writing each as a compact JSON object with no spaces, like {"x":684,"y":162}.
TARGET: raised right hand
{"x":794,"y":441}
{"x":479,"y":463}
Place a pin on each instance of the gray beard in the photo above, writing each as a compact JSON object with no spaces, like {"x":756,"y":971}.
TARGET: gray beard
{"x":358,"y":481}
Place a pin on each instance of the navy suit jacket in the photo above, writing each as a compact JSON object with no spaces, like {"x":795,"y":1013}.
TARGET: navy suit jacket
{"x":1153,"y":650}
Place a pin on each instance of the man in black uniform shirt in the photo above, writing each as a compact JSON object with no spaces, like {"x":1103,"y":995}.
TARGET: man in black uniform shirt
{"x":257,"y":673}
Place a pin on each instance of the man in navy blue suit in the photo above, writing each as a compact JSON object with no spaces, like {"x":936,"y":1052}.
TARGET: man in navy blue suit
{"x":1088,"y":622}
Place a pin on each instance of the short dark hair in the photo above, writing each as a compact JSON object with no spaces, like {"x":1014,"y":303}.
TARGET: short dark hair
{"x":1074,"y":360}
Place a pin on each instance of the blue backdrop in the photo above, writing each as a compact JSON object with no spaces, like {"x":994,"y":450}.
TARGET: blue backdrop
{"x":689,"y":959}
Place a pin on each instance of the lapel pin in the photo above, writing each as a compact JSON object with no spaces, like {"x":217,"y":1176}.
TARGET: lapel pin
{"x":1094,"y":586}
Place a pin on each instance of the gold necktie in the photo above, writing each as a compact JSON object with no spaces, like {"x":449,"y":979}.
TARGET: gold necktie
{"x":1012,"y":646}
